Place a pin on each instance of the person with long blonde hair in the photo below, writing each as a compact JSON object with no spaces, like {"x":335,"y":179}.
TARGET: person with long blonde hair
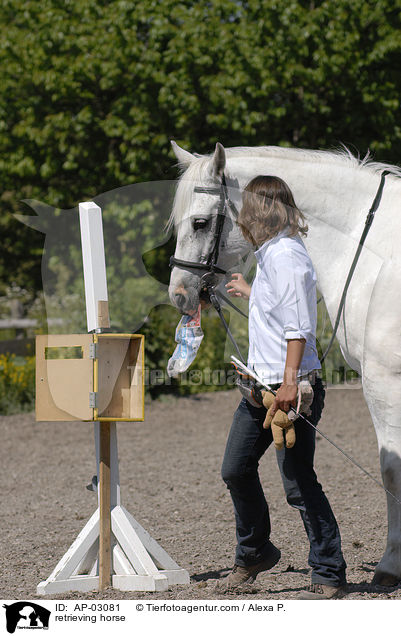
{"x":282,"y":350}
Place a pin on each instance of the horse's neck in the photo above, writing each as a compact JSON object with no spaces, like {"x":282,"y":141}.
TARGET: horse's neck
{"x":334,"y":199}
{"x":334,"y":194}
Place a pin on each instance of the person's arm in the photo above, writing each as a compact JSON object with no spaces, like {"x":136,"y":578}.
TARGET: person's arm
{"x":286,"y":395}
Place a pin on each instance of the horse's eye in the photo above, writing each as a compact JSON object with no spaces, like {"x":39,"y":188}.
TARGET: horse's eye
{"x":200,"y":224}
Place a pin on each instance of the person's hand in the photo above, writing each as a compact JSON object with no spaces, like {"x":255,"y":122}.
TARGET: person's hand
{"x":238,"y":286}
{"x":286,"y":396}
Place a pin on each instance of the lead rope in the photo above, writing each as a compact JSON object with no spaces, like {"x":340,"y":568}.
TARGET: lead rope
{"x":216,"y":304}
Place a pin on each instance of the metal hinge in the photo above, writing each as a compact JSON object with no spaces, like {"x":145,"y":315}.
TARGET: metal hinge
{"x":93,"y":350}
{"x":92,"y":400}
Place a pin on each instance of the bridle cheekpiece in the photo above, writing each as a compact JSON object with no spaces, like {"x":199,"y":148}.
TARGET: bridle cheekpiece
{"x":211,"y":264}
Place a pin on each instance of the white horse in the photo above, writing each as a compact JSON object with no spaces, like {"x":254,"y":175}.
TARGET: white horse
{"x":335,"y":191}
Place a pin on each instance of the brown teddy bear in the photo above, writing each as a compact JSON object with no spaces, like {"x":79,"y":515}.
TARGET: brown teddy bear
{"x":282,"y":421}
{"x":279,"y":423}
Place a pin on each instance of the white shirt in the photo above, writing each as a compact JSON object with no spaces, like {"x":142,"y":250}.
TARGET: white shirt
{"x":282,"y":306}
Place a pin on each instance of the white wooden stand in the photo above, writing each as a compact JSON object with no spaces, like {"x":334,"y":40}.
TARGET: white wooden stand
{"x":136,"y":561}
{"x":112,"y":549}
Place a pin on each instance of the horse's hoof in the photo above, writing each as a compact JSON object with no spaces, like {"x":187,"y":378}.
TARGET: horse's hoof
{"x":385,"y":580}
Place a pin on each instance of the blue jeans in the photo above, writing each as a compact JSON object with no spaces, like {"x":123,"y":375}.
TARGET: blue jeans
{"x":246,"y":444}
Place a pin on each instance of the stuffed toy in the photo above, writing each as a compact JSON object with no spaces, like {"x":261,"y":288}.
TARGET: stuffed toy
{"x":279,"y":423}
{"x":282,"y":421}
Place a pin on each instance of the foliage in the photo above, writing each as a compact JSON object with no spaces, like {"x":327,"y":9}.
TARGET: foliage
{"x":17,"y":384}
{"x":92,"y":91}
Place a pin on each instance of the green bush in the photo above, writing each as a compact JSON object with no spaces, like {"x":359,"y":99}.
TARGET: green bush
{"x":91,"y":92}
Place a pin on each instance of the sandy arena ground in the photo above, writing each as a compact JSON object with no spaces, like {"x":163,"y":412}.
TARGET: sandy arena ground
{"x":170,"y":482}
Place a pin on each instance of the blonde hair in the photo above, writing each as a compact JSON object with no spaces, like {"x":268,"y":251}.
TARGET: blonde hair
{"x":269,"y":207}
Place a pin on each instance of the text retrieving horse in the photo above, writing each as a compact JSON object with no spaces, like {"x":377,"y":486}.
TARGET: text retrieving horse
{"x":334,"y":190}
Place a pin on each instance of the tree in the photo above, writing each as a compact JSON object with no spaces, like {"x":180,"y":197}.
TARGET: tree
{"x":92,"y":91}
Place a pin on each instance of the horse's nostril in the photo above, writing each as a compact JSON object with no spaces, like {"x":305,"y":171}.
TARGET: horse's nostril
{"x":180,"y":295}
{"x":179,"y":299}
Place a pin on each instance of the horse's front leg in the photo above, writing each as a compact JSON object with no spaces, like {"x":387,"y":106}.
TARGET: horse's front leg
{"x":382,"y":392}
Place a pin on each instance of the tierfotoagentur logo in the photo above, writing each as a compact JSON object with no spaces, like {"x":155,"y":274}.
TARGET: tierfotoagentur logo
{"x":26,"y":615}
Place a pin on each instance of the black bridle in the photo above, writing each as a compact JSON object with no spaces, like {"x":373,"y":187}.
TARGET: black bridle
{"x":208,"y":280}
{"x":224,"y":203}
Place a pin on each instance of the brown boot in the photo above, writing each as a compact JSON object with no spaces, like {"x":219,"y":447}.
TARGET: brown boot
{"x":241,"y":575}
{"x":319,"y":592}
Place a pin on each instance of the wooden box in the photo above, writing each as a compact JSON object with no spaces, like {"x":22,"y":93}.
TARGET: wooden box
{"x":90,"y":377}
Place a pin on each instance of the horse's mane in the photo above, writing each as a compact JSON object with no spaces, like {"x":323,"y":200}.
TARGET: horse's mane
{"x":342,"y":156}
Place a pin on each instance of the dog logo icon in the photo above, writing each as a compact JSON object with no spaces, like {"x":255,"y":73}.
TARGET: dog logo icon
{"x":26,"y":615}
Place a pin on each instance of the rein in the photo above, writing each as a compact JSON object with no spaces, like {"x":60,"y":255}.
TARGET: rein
{"x":254,"y":375}
{"x":368,"y":223}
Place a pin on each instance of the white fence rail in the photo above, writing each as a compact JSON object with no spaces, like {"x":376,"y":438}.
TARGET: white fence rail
{"x":21,"y":345}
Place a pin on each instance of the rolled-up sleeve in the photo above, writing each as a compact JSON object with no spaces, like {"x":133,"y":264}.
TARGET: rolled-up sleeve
{"x":294,"y":287}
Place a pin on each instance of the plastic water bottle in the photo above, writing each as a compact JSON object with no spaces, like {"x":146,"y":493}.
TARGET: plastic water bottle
{"x":188,"y":337}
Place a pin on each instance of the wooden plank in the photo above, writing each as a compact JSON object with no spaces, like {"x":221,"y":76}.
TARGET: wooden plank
{"x":82,"y":583}
{"x":161,"y":558}
{"x":77,"y":551}
{"x":104,"y":506}
{"x":63,"y":385}
{"x":120,"y":376}
{"x":89,"y":560}
{"x":129,"y":541}
{"x":176,"y":577}
{"x":94,"y":263}
{"x":121,"y":565}
{"x":113,"y":375}
{"x":151,"y":583}
{"x":115,"y":498}
{"x":137,"y":391}
{"x":103,"y":314}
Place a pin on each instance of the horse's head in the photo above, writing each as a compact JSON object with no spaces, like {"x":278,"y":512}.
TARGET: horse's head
{"x":204,"y":214}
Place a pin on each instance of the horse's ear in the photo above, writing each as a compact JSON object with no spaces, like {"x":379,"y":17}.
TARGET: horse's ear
{"x":218,"y":162}
{"x":183,"y":156}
